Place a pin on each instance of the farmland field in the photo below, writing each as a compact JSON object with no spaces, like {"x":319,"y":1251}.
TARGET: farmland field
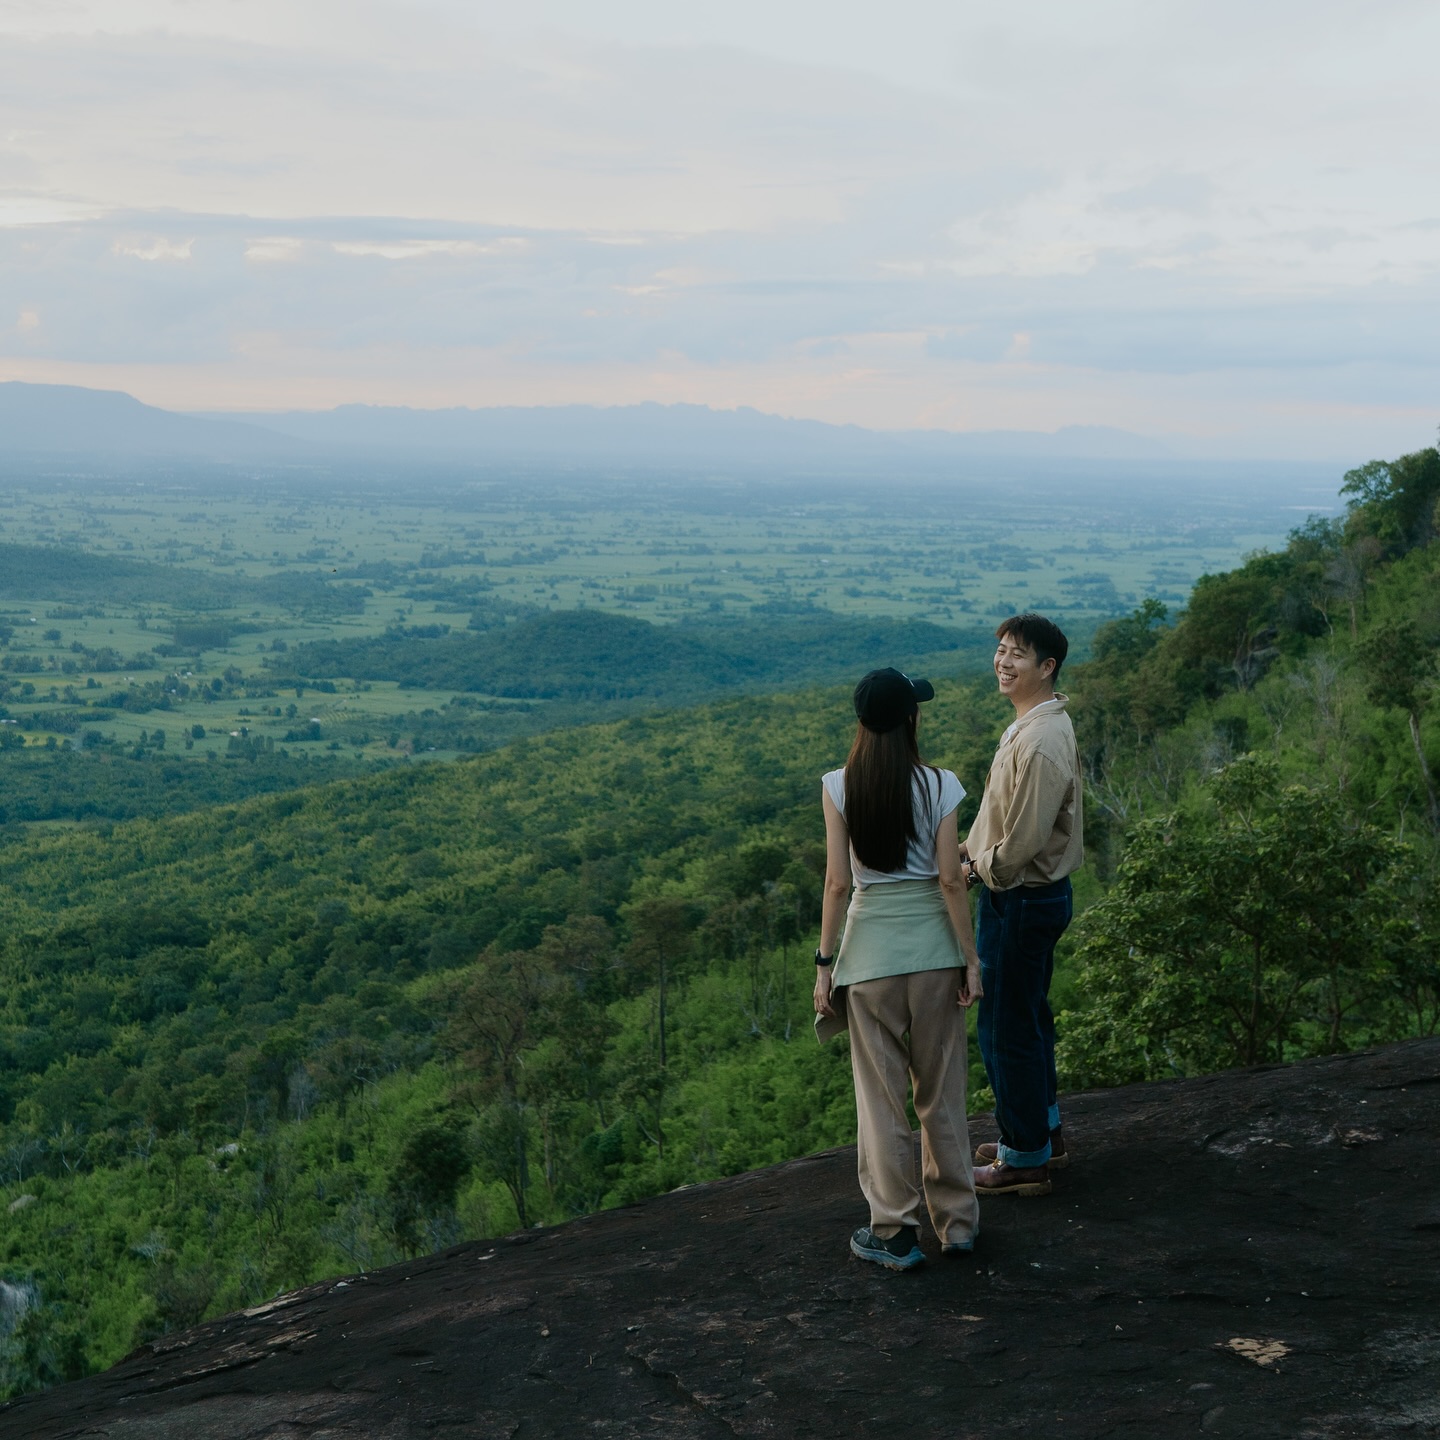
{"x":198,"y":589}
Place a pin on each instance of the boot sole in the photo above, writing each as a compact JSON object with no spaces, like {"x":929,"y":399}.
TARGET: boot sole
{"x":884,"y":1257}
{"x":1025,"y":1187}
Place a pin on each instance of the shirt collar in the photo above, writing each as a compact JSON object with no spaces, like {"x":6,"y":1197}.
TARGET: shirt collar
{"x":1056,"y":702}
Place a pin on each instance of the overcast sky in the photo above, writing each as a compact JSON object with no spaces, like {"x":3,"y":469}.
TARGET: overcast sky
{"x":1216,"y":220}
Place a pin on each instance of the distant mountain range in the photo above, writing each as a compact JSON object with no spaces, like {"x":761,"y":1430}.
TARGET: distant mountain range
{"x":68,"y":421}
{"x":660,"y":434}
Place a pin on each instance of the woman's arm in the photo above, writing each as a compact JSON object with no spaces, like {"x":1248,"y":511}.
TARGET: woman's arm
{"x":957,"y":901}
{"x":837,"y":893}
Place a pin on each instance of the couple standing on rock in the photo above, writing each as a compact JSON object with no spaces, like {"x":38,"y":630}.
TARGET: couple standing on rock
{"x":910,"y":963}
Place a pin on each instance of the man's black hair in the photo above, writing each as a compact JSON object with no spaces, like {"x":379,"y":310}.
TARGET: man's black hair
{"x":1037,"y":633}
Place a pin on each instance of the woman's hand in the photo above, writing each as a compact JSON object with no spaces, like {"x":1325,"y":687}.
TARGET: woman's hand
{"x":822,"y":991}
{"x":970,"y":988}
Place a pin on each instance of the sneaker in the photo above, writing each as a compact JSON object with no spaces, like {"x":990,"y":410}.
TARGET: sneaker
{"x":1003,"y":1179}
{"x":900,"y":1252}
{"x":1059,"y":1159}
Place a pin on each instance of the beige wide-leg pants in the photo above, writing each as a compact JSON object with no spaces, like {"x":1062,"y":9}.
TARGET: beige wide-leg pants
{"x":908,"y":1027}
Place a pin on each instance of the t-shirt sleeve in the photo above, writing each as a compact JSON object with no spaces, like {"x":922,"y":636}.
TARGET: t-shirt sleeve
{"x":952,"y":792}
{"x":834,"y":784}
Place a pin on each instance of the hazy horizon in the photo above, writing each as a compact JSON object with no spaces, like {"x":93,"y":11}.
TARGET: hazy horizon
{"x":112,"y":427}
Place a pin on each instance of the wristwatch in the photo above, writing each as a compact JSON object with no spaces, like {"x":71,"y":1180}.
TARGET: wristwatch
{"x":823,"y":959}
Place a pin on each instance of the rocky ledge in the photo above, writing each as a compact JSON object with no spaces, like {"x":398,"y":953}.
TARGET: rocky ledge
{"x":1250,"y":1254}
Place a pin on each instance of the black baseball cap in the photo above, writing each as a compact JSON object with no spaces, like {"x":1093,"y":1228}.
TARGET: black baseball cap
{"x":886,"y":698}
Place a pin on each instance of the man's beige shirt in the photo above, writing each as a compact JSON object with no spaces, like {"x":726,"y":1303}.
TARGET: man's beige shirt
{"x":1030,"y":828}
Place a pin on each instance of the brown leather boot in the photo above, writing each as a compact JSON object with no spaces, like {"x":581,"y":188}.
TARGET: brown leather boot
{"x":1003,"y":1179}
{"x":1059,"y":1159}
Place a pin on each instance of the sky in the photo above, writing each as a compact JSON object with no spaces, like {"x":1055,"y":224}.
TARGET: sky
{"x":1217,"y":223}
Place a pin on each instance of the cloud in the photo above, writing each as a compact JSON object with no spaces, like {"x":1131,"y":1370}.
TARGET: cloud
{"x":428,"y":249}
{"x":18,"y":210}
{"x":155,"y":248}
{"x":274,"y":249}
{"x":1053,"y":209}
{"x":1172,"y":190}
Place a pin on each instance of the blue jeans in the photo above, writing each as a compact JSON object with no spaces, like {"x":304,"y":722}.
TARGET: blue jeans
{"x":1018,"y":932}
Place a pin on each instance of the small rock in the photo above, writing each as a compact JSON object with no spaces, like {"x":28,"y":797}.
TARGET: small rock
{"x":1262,"y":1352}
{"x":1355,"y":1136}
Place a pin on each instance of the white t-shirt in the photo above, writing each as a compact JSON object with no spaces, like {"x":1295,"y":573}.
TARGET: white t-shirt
{"x":934,"y":800}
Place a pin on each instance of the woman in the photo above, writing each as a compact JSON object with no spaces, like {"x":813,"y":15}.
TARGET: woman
{"x":890,"y":826}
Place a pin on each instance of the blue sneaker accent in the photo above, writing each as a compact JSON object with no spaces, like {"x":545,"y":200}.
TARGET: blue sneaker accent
{"x":901,"y":1252}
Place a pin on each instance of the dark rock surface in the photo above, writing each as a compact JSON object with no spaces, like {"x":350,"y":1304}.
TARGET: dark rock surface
{"x":1251,"y":1254}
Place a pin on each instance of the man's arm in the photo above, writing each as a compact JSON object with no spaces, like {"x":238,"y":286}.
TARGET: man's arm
{"x":1029,"y":821}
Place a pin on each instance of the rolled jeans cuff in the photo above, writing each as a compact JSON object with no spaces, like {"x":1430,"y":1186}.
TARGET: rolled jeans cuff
{"x":1022,"y":1158}
{"x":1054,"y":1118}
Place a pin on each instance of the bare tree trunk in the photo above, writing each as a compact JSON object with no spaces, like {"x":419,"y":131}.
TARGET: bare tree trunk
{"x":1425,"y":773}
{"x":1337,"y":1013}
{"x":522,"y":1178}
{"x":1252,"y":1056}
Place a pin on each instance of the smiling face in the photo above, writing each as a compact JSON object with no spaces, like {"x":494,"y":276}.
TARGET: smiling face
{"x":1024,"y":680}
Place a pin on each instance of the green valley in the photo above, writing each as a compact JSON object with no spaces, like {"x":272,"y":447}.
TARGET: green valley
{"x":288,"y":1035}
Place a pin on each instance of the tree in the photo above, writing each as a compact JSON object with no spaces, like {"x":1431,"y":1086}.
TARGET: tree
{"x":1400,"y":677}
{"x":1230,"y":623}
{"x":659,"y":937}
{"x":1234,"y":934}
{"x":1395,"y":500}
{"x":660,"y":929}
{"x":496,"y":1012}
{"x":1409,"y":938}
{"x":39,"y":1346}
{"x":1123,"y":643}
{"x":565,"y":1075}
{"x":433,"y":1162}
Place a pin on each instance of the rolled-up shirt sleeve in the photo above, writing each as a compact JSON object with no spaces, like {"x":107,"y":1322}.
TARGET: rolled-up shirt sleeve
{"x":1041,"y":787}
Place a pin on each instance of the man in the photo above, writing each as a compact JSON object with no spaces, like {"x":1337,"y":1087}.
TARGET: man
{"x":1025,"y":843}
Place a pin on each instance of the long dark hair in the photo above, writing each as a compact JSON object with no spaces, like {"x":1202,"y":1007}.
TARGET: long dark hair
{"x":879,"y":795}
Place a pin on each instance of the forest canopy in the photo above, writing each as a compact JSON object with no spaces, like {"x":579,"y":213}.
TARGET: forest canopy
{"x":597,"y":656}
{"x":288,"y":1035}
